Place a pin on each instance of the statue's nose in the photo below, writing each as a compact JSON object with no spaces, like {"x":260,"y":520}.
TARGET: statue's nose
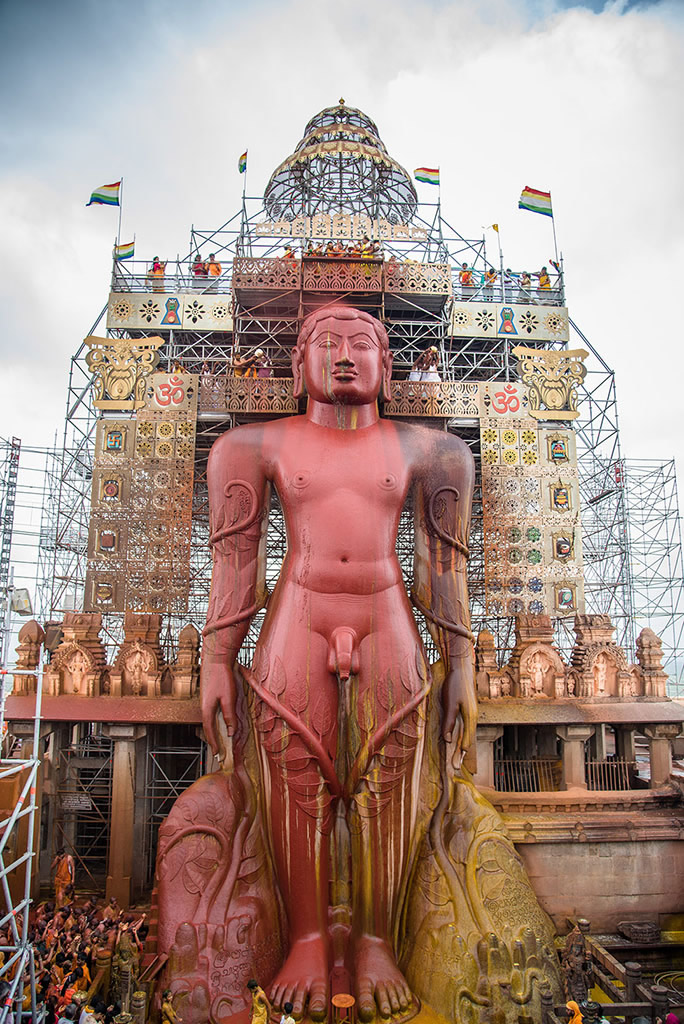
{"x":344,"y":354}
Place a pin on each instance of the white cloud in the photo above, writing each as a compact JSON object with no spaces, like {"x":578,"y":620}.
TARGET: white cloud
{"x":499,"y":94}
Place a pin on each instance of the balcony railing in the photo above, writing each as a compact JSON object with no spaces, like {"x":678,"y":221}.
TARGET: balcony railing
{"x":539,"y":775}
{"x":611,"y":774}
{"x":352,"y":274}
{"x":446,"y":399}
{"x":509,"y":289}
{"x":226,"y":393}
{"x":136,"y":276}
{"x":259,"y":395}
{"x":342,"y":275}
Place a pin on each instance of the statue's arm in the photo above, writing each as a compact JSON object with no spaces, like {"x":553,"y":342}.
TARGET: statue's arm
{"x":443,"y":497}
{"x":238,"y":504}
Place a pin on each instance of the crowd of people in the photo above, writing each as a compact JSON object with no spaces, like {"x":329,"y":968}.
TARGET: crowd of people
{"x":364,"y":249}
{"x":484,"y":282}
{"x":206,"y":273}
{"x":66,"y":940}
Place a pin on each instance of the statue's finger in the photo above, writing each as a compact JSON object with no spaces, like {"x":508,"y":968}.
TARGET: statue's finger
{"x":209,"y":725}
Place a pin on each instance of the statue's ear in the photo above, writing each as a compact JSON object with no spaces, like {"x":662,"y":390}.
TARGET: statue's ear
{"x":297,"y":371}
{"x":387,"y":376}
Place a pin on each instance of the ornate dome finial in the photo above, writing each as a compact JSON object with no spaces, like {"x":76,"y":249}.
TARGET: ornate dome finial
{"x":341,"y":101}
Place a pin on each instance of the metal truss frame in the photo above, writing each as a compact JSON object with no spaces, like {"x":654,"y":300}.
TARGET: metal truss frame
{"x":272,"y":325}
{"x":163,"y":785}
{"x":19,"y":953}
{"x":85,"y":833}
{"x":655,"y":545}
{"x":10,"y":452}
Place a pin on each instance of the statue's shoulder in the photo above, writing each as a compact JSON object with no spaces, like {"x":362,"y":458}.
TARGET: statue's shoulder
{"x":432,"y":443}
{"x":247,"y":438}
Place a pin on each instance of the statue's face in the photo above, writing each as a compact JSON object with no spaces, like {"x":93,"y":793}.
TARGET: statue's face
{"x":343,"y":362}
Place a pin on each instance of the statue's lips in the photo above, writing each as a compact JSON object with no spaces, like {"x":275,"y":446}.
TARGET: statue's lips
{"x":344,"y":374}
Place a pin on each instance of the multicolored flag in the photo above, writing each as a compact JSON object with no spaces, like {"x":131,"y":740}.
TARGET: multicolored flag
{"x":106,"y":195}
{"x":535,"y":201}
{"x":125,"y":251}
{"x":242,"y":163}
{"x":429,"y":175}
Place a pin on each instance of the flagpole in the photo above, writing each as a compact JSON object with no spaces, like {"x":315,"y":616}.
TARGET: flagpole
{"x":553,"y":223}
{"x":507,"y":370}
{"x":118,"y":232}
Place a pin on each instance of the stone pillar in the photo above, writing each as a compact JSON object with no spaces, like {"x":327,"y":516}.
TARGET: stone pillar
{"x":599,"y":742}
{"x":121,"y":837}
{"x":485,"y":738}
{"x":660,"y":739}
{"x":624,"y":743}
{"x":573,"y":738}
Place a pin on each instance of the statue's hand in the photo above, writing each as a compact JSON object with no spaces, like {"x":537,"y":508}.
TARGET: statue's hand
{"x":459,"y":709}
{"x":217,"y":692}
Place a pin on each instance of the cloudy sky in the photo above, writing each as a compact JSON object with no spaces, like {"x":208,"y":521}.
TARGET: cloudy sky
{"x":584,"y":99}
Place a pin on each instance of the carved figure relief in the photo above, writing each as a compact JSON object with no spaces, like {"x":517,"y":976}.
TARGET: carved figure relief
{"x":600,"y":675}
{"x":78,"y":666}
{"x":136,"y":668}
{"x":542,"y":672}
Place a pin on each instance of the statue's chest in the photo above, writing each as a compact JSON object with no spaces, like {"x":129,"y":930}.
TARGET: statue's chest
{"x":371,"y":477}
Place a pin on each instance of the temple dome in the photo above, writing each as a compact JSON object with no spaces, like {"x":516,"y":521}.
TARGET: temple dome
{"x":341,"y":164}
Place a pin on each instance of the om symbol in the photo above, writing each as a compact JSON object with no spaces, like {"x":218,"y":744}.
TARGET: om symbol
{"x":506,"y":400}
{"x":171,"y":392}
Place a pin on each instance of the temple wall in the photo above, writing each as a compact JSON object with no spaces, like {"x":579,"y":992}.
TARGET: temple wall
{"x":606,"y":882}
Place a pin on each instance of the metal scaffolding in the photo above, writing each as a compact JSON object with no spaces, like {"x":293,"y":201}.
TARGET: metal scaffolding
{"x":19,"y":784}
{"x":655,"y":547}
{"x":10,"y":452}
{"x":270,"y":321}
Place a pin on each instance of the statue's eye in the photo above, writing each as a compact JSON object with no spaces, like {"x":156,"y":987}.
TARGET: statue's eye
{"x":361,"y":344}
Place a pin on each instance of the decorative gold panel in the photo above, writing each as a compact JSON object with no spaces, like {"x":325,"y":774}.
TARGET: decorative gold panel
{"x":165,"y":311}
{"x":530,"y":497}
{"x":120,"y":367}
{"x":552,"y":379}
{"x":515,"y":320}
{"x":139,"y":540}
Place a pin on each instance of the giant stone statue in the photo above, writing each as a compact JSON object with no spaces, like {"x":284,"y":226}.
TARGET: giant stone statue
{"x":342,"y":846}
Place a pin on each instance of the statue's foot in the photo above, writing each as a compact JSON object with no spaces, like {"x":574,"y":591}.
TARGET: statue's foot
{"x":379,"y":982}
{"x":304,"y":976}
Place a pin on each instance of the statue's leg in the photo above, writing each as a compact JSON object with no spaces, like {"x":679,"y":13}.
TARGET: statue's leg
{"x":295,"y":709}
{"x":390,"y":714}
